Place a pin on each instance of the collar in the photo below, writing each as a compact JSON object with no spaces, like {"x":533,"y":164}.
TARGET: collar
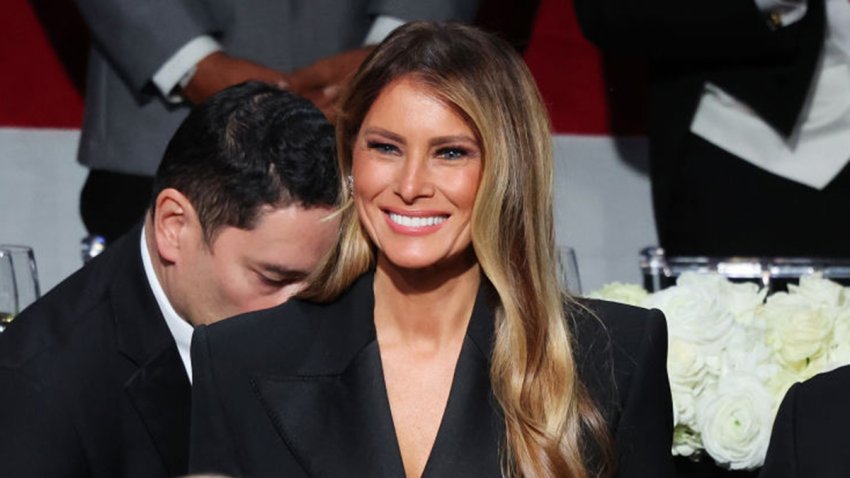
{"x":180,"y":329}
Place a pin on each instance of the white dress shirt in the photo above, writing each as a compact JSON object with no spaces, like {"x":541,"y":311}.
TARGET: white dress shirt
{"x":180,"y":329}
{"x":819,"y":148}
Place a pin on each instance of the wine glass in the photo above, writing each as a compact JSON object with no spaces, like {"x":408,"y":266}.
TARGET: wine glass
{"x":568,"y":268}
{"x":18,"y":281}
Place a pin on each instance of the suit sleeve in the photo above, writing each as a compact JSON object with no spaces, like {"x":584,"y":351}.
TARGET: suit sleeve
{"x":138,"y":37}
{"x":36,"y":438}
{"x":464,"y":10}
{"x":211,"y":446}
{"x":781,"y":460}
{"x":644,"y":434}
{"x":722,"y":29}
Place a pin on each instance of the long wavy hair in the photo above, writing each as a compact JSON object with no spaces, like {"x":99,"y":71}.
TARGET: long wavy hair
{"x":552,"y":427}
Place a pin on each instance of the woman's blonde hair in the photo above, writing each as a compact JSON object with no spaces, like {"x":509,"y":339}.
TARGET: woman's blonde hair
{"x":551,"y":425}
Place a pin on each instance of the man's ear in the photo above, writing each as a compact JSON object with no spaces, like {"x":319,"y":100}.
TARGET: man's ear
{"x":175,"y":223}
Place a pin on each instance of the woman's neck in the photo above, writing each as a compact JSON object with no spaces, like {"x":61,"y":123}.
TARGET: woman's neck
{"x":427,"y":308}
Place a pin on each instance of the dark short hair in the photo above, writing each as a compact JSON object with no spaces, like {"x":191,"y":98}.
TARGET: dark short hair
{"x":249,"y":146}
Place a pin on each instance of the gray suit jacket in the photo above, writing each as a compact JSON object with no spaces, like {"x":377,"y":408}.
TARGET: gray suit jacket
{"x":128,"y":124}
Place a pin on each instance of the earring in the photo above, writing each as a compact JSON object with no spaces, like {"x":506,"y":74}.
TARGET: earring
{"x":349,"y":181}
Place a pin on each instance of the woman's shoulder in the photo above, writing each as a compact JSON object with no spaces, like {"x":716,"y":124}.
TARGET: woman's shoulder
{"x":291,"y":332}
{"x":616,"y":345}
{"x":598,"y":325}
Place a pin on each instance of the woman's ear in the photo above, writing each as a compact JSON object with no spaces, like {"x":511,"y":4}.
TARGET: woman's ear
{"x":175,"y":223}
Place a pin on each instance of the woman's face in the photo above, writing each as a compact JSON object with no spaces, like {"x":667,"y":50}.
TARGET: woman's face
{"x":416,"y":169}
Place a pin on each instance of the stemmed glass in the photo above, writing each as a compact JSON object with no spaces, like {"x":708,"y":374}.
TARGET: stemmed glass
{"x":568,"y":266}
{"x":18,"y":281}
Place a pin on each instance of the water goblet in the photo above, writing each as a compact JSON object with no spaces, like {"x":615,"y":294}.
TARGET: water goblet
{"x":18,"y":281}
{"x":568,"y":268}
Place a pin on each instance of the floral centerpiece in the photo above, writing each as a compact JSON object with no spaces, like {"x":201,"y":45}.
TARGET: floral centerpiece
{"x":734,"y":351}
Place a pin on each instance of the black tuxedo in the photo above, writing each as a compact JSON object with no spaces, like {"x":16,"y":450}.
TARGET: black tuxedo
{"x":91,"y":383}
{"x":298,"y":390}
{"x":708,"y":201}
{"x":810,"y":432}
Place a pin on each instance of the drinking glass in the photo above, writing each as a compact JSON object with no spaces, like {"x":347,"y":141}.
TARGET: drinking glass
{"x":18,"y":281}
{"x":568,"y":266}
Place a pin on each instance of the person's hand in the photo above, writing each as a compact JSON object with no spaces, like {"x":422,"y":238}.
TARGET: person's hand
{"x":219,"y":70}
{"x":322,"y":81}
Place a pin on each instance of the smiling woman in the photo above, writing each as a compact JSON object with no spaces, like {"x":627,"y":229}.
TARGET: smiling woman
{"x":416,"y":169}
{"x":436,"y":340}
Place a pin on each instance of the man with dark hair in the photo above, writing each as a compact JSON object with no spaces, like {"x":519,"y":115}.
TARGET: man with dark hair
{"x":95,"y":378}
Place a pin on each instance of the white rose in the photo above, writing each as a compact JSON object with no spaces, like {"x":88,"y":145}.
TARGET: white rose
{"x":694,"y":311}
{"x":735,"y":421}
{"x":819,"y":290}
{"x":743,"y":300}
{"x":779,"y":384}
{"x":740,"y":299}
{"x":839,"y":351}
{"x":690,"y":369}
{"x":815,"y":366}
{"x":685,"y":363}
{"x":684,"y":405}
{"x":797,"y":330}
{"x":710,"y":282}
{"x":746,"y":338}
{"x":686,"y":441}
{"x":750,"y":357}
{"x":631,"y":294}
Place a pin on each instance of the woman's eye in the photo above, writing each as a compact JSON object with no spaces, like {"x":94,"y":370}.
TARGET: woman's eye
{"x":383,"y":148}
{"x":452,"y":153}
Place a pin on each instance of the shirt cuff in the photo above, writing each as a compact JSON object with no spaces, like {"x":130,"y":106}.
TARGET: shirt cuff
{"x":381,"y":28}
{"x":781,"y":13}
{"x":178,"y":70}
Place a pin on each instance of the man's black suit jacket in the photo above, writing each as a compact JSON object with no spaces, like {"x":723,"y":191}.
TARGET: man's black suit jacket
{"x":298,"y":391}
{"x":694,"y":183}
{"x":91,"y":383}
{"x":809,"y":437}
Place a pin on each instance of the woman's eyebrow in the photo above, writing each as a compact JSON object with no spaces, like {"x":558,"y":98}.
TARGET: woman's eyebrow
{"x":384,"y":132}
{"x":460,"y":138}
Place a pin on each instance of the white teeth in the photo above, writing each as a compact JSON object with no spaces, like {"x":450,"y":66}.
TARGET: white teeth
{"x":409,"y":221}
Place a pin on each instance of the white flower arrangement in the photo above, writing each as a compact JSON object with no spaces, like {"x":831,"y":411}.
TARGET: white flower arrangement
{"x":733,"y":352}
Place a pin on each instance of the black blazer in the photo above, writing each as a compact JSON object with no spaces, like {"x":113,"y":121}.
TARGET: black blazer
{"x":727,"y":43}
{"x":811,"y":429}
{"x":298,"y":390}
{"x":91,"y":383}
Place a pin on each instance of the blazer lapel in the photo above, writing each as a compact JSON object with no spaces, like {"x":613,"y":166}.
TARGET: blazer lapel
{"x":334,"y":415}
{"x":159,"y":388}
{"x":472,"y":428}
{"x":336,"y":425}
{"x":161,"y":395}
{"x":332,"y":411}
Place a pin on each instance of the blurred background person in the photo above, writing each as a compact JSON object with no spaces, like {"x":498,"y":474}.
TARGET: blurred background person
{"x":95,"y":377}
{"x":749,"y":120}
{"x":150,"y":60}
{"x":598,"y":191}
